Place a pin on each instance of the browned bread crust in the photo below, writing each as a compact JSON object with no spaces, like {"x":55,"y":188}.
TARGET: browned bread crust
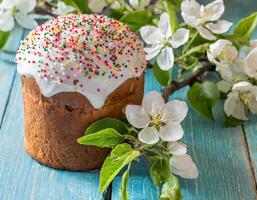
{"x":53,"y":124}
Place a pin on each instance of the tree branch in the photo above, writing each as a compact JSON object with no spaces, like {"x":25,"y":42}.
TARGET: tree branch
{"x":176,"y":85}
{"x":43,"y":11}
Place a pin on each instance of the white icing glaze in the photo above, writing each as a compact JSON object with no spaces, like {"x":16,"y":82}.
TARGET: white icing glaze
{"x":89,"y":54}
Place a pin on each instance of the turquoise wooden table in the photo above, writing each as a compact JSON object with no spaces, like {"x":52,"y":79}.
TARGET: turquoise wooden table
{"x":226,"y":157}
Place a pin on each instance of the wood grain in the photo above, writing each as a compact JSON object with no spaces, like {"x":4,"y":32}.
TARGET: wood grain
{"x":250,"y":129}
{"x":7,"y":71}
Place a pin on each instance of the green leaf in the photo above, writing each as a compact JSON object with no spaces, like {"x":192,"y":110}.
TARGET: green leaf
{"x":237,"y":40}
{"x":246,"y":26}
{"x":171,"y":10}
{"x":120,"y":156}
{"x":80,"y":5}
{"x":160,"y":171}
{"x":136,"y":19}
{"x":124,"y":184}
{"x":203,"y":98}
{"x":101,"y":124}
{"x":104,"y":138}
{"x":171,"y":189}
{"x":232,"y":122}
{"x":163,"y":77}
{"x":194,"y":41}
{"x":116,"y":14}
{"x":3,"y":38}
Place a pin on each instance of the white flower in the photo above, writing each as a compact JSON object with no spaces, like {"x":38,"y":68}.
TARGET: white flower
{"x":242,"y":98}
{"x":180,"y":162}
{"x":63,"y":9}
{"x":157,"y":119}
{"x":139,"y":3}
{"x":16,"y":10}
{"x":251,"y":63}
{"x":177,"y":148}
{"x":225,"y":56}
{"x":162,"y":41}
{"x":183,"y":166}
{"x":205,"y":18}
{"x":98,"y":5}
{"x":222,"y":52}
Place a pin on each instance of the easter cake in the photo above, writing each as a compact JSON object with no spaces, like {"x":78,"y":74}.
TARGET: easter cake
{"x":75,"y":70}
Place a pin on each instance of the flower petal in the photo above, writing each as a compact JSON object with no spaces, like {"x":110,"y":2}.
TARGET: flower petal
{"x":7,"y":4}
{"x":151,"y":34}
{"x":180,"y":37}
{"x":251,"y":63}
{"x":218,"y":46}
{"x":253,"y":106}
{"x":153,"y":103}
{"x":153,"y":51}
{"x":190,"y":173}
{"x":219,"y":27}
{"x":190,"y":11}
{"x":171,"y":132}
{"x":25,"y":21}
{"x":174,"y":111}
{"x":164,"y":25}
{"x":137,"y":116}
{"x":149,"y":135}
{"x":224,"y":86}
{"x":191,"y":20}
{"x":226,"y":72}
{"x":242,"y":86}
{"x":214,"y":10}
{"x":134,"y":3}
{"x":177,"y":148}
{"x":222,"y":52}
{"x":97,"y":5}
{"x":25,"y":6}
{"x":6,"y":22}
{"x":205,"y":33}
{"x":115,"y":5}
{"x":63,"y":9}
{"x":233,"y":106}
{"x":165,"y":59}
{"x":181,"y":162}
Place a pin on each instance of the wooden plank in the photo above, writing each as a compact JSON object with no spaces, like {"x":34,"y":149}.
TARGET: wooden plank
{"x":250,"y":129}
{"x":7,"y":71}
{"x":23,"y":178}
{"x":220,"y":154}
{"x":225,"y":171}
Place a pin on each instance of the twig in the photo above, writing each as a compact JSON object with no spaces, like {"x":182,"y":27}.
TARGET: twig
{"x":176,"y":85}
{"x":43,"y":11}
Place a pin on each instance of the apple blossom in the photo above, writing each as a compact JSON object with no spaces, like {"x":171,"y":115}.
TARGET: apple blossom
{"x":177,"y":148}
{"x":161,"y":41}
{"x":139,"y":3}
{"x":180,"y":162}
{"x":205,"y":18}
{"x":16,"y":10}
{"x":63,"y":9}
{"x":157,"y":119}
{"x":225,"y":56}
{"x":98,"y":5}
{"x":183,"y":166}
{"x":242,"y":98}
{"x":251,"y":63}
{"x":222,"y":52}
